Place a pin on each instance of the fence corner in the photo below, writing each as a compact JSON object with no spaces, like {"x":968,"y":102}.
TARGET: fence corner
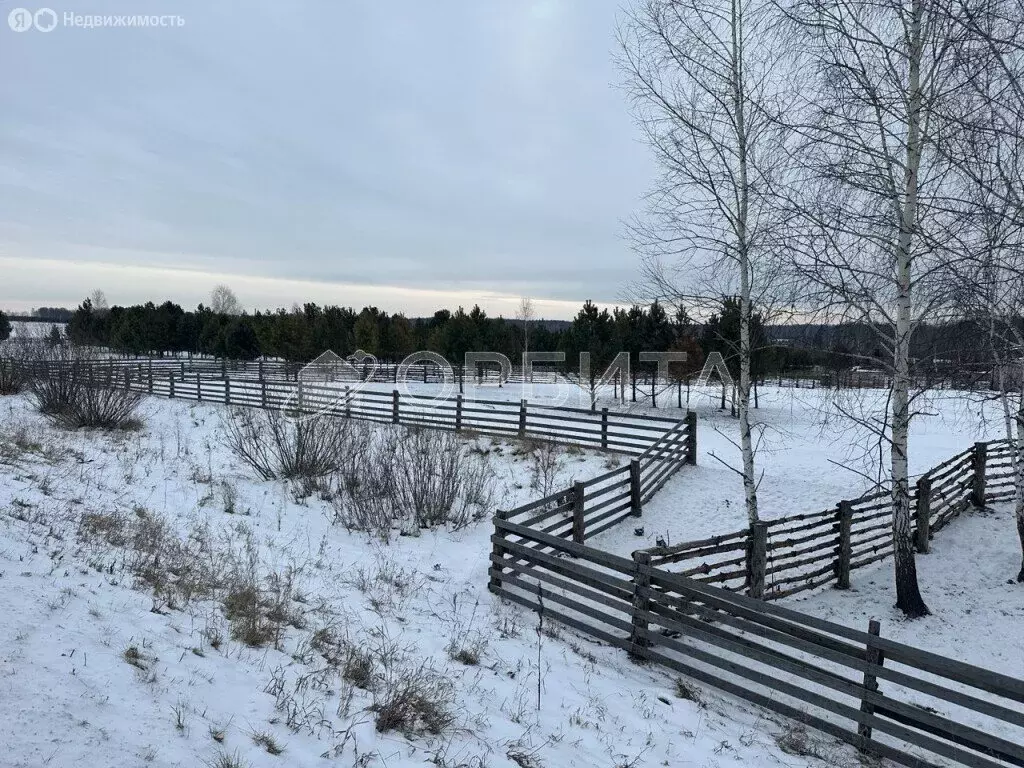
{"x":641,"y":605}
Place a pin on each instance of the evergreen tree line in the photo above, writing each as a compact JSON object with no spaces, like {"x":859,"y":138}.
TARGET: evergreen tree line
{"x":301,"y":334}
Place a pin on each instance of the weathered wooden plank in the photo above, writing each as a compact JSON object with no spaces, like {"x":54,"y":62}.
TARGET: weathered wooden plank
{"x":962,"y":672}
{"x":614,"y":598}
{"x":605,"y":559}
{"x":823,"y":702}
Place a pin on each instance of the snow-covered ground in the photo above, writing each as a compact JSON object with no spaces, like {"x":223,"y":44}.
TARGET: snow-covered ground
{"x":22,"y":330}
{"x":809,"y":456}
{"x":967,"y":581}
{"x":113,"y":651}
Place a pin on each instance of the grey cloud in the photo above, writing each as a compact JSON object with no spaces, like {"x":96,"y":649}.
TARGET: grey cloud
{"x":431,"y":145}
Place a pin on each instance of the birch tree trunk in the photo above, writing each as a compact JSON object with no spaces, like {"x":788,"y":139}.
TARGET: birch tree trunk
{"x":1018,"y":472}
{"x":700,"y":75}
{"x":743,"y":264}
{"x":908,"y":595}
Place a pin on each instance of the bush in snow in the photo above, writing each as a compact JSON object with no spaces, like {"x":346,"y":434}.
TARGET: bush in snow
{"x":414,"y":701}
{"x":278,"y":446}
{"x":98,"y":407}
{"x":67,"y":389}
{"x":413,"y":479}
{"x":12,"y":378}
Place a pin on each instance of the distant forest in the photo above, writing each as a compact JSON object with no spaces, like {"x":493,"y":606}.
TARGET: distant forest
{"x":303,"y":333}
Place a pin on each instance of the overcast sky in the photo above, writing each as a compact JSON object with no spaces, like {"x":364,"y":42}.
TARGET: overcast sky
{"x":408,"y":154}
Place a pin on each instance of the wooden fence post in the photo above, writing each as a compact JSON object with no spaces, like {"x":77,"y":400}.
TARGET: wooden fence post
{"x":348,"y":404}
{"x":641,"y":603}
{"x":227,"y":391}
{"x":757,"y":562}
{"x":302,"y":397}
{"x":127,"y":379}
{"x":634,"y":488}
{"x":183,"y":370}
{"x":458,"y":410}
{"x":604,"y":428}
{"x":578,"y":523}
{"x":498,"y":552}
{"x":199,"y":386}
{"x":224,"y":368}
{"x":260,"y":369}
{"x":263,"y":392}
{"x":170,"y":382}
{"x":394,"y":406}
{"x":924,"y":513}
{"x":978,"y":480}
{"x":845,"y":545}
{"x":149,"y":383}
{"x":691,"y":437}
{"x":873,"y":655}
{"x":522,"y":418}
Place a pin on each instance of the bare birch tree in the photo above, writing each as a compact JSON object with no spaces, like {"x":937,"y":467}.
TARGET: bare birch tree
{"x":699,"y":73}
{"x":525,"y":314}
{"x":988,"y":154}
{"x":224,"y":301}
{"x":873,"y":243}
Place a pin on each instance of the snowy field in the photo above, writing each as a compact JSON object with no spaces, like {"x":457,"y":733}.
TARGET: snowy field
{"x":809,"y":456}
{"x":97,"y":665}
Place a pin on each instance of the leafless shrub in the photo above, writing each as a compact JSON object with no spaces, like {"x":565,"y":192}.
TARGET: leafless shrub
{"x":414,"y":479}
{"x":99,"y":407}
{"x":414,"y":701}
{"x":278,"y":446}
{"x":229,"y":497}
{"x":432,"y":472}
{"x":12,"y":378}
{"x":74,"y":394}
{"x":545,"y":467}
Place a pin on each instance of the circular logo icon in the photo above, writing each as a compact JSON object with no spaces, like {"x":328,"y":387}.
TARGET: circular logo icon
{"x":45,"y":19}
{"x":20,"y":19}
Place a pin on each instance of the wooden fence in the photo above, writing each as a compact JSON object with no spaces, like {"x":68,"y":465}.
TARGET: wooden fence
{"x":777,"y":558}
{"x":632,"y":434}
{"x":886,"y":698}
{"x":593,"y":506}
{"x":280,"y":370}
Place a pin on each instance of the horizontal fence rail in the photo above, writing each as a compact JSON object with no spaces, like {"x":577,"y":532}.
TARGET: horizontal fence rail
{"x":885,"y":698}
{"x":631,"y":434}
{"x":591,"y":507}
